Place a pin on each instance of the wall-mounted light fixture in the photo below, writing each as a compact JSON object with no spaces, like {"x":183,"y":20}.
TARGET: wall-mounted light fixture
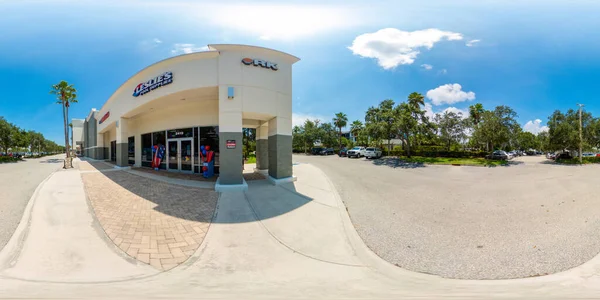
{"x":230,"y":93}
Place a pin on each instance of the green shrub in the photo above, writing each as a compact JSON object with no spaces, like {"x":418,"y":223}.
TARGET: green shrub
{"x":438,"y":153}
{"x":7,"y":159}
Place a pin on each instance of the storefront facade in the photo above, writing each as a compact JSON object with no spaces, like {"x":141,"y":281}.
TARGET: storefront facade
{"x":193,"y":101}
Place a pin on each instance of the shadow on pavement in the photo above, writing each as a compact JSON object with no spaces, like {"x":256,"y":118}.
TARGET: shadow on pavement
{"x":263,"y":200}
{"x":394,"y":162}
{"x":51,"y":161}
{"x":182,"y":202}
{"x":551,"y":162}
{"x":508,"y":164}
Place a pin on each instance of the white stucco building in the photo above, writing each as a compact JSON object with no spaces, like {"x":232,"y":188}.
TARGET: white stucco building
{"x":200,"y":99}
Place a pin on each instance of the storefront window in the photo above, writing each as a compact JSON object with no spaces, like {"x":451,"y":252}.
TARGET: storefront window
{"x":179,"y":133}
{"x":147,"y":150}
{"x":158,"y":138}
{"x":209,"y":136}
{"x":131,"y":149}
{"x":196,"y":151}
{"x":113,"y":151}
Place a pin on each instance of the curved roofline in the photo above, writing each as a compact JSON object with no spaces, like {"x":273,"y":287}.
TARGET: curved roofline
{"x":213,"y":49}
{"x":201,"y":53}
{"x":294,"y":59}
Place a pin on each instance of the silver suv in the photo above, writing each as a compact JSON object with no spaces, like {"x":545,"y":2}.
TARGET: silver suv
{"x":373,"y":153}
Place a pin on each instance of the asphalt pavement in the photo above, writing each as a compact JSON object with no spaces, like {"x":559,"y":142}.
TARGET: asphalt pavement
{"x":528,"y":219}
{"x":18,"y":181}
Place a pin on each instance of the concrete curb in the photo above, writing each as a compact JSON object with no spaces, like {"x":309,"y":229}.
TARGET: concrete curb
{"x":10,"y":253}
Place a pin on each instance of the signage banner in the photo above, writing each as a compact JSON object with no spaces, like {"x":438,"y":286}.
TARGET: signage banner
{"x":260,"y":63}
{"x":106,"y":115}
{"x":152,"y":84}
{"x":230,"y":144}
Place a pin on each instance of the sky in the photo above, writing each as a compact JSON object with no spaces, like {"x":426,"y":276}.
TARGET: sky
{"x":535,"y":57}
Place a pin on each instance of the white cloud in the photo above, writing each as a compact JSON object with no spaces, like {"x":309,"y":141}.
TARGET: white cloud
{"x":299,"y":119}
{"x":472,"y":43}
{"x":464,"y":113}
{"x":146,"y":45}
{"x":430,"y":113}
{"x":392,"y":47}
{"x":427,"y":66}
{"x":187,"y":48}
{"x":443,"y":71}
{"x":535,"y":126}
{"x":449,"y":94}
{"x":280,"y":21}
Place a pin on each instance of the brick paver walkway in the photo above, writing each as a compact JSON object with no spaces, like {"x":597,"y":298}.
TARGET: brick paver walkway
{"x":155,"y":222}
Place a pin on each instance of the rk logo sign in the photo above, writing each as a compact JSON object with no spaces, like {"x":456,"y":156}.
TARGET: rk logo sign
{"x":260,"y":63}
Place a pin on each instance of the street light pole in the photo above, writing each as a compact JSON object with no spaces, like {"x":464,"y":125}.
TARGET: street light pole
{"x":580,"y":136}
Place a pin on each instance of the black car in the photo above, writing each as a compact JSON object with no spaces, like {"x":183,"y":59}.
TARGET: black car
{"x":564,"y":155}
{"x":327,"y":151}
{"x":316,"y":150}
{"x":343,"y":152}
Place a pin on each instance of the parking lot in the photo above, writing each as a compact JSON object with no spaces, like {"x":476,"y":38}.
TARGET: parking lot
{"x":529,"y":218}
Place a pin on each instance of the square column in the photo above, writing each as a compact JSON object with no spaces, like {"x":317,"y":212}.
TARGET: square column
{"x":99,"y":151}
{"x":262,"y":148}
{"x":138,"y":149}
{"x":280,"y":150}
{"x":122,"y":142}
{"x":230,"y":158}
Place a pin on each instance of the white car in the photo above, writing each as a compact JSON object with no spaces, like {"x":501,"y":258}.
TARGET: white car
{"x":356,"y":152}
{"x":373,"y":153}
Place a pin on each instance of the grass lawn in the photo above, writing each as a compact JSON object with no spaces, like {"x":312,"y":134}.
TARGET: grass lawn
{"x":251,"y":159}
{"x":451,"y":161}
{"x":575,"y":161}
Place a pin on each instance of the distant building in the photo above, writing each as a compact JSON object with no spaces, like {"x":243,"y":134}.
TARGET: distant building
{"x":348,"y":135}
{"x":78,"y":135}
{"x":393,"y":143}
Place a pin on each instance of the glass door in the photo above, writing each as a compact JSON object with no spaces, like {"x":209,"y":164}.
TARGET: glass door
{"x":173,"y":155}
{"x":186,"y":159}
{"x":180,"y":155}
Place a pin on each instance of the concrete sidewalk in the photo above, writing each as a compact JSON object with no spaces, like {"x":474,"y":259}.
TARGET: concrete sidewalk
{"x":59,"y":241}
{"x":291,"y":241}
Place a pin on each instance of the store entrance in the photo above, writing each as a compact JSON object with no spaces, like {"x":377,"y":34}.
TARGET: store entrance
{"x":180,"y":156}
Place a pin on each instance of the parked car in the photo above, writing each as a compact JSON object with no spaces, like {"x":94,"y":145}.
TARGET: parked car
{"x":499,"y":154}
{"x":343,"y":152}
{"x":356,"y":152}
{"x":564,"y":155}
{"x":512,"y":154}
{"x":316,"y":150}
{"x":588,"y":154}
{"x":373,"y":153}
{"x":327,"y":151}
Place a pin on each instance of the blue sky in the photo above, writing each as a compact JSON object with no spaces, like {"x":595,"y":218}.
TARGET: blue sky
{"x":535,"y":57}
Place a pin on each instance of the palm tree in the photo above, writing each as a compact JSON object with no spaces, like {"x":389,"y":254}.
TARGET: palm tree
{"x":65,"y":95}
{"x":356,"y":127}
{"x":416,"y":100}
{"x":475,"y":113}
{"x":340,"y":121}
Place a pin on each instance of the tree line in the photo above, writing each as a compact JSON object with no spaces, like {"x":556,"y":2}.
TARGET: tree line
{"x":417,"y":130}
{"x":15,"y":139}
